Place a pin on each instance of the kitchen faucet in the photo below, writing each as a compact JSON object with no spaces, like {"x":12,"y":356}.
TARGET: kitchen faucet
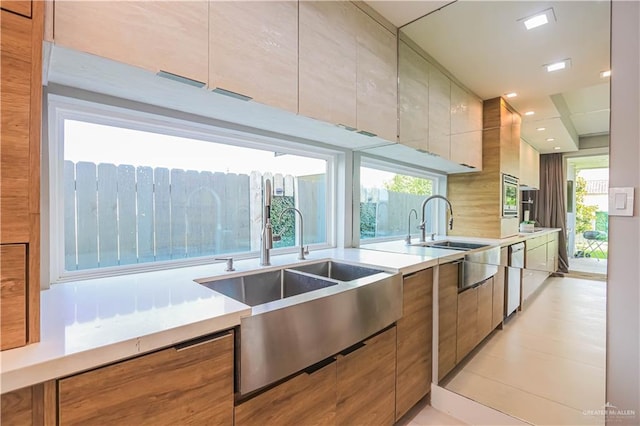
{"x":422,"y":225}
{"x":407,"y":239}
{"x":266,"y":236}
{"x":302,"y":249}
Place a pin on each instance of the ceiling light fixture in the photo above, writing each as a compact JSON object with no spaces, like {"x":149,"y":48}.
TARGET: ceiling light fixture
{"x":557,"y":66}
{"x":529,"y":113}
{"x":605,"y":74}
{"x":556,"y":148}
{"x":550,"y":139}
{"x":511,"y":95}
{"x":539,"y":19}
{"x":540,"y":129}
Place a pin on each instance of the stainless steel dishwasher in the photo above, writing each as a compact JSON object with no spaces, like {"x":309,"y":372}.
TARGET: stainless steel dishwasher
{"x":514,"y":277}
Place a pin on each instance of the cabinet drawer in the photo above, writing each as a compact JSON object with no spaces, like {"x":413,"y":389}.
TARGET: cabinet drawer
{"x":179,"y":385}
{"x":13,"y":295}
{"x":467,"y":322}
{"x":21,"y":7}
{"x":536,"y":258}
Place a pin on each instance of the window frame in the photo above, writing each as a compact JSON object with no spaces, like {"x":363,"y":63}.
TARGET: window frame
{"x":61,"y":108}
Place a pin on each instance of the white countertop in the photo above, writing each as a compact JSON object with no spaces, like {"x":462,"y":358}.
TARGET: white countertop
{"x":85,"y":324}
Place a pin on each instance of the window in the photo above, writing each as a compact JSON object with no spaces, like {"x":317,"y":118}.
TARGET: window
{"x":132,"y":192}
{"x":387,"y":195}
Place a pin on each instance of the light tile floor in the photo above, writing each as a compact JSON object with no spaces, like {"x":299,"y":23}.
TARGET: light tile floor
{"x":588,"y":264}
{"x":548,"y":363}
{"x":424,"y":414}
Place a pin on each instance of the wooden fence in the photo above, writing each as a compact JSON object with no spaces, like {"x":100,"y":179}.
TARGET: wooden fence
{"x":385,"y":213}
{"x":120,"y":215}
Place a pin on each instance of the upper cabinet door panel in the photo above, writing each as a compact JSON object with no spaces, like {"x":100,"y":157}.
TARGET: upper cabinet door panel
{"x":413,"y":78}
{"x":171,"y":36}
{"x":460,"y":122}
{"x":327,"y":62}
{"x":439,"y":113}
{"x":21,"y":7}
{"x":253,"y":50}
{"x":377,"y":78}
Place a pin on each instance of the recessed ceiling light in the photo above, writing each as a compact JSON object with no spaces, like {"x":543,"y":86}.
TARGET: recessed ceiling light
{"x":529,"y":113}
{"x":557,"y":66}
{"x":539,"y":19}
{"x":556,"y":148}
{"x":605,"y":74}
{"x":540,"y":129}
{"x":550,"y":139}
{"x":511,"y":95}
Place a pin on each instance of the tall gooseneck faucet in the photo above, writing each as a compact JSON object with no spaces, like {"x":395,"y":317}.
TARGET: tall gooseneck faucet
{"x":302,"y":251}
{"x":423,"y":224}
{"x":266,"y":235}
{"x":407,"y":239}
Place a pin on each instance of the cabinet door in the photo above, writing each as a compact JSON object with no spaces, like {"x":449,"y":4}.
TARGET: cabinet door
{"x":460,"y":118}
{"x":447,"y":317}
{"x":485,"y":310}
{"x":466,"y":149}
{"x":17,"y":407}
{"x":552,"y":253}
{"x":377,"y":78}
{"x":171,"y":36}
{"x":13,"y":296}
{"x":15,"y":110}
{"x":366,"y":382}
{"x":308,"y":399}
{"x":327,"y":61}
{"x":529,"y":165}
{"x":413,"y":81}
{"x":413,"y":378}
{"x":186,"y":384}
{"x":536,"y":258}
{"x":253,"y":50}
{"x":439,"y":113}
{"x":467,"y":322}
{"x":21,"y":7}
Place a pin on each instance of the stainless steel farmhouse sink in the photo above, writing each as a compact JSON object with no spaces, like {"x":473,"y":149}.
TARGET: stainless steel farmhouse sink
{"x":303,"y":314}
{"x":453,"y":245}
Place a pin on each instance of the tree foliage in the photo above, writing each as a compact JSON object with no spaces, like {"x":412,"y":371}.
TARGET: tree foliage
{"x":409,"y":185}
{"x":585,"y":215}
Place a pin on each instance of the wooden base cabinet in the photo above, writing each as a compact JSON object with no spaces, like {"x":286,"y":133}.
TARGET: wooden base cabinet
{"x":307,"y":399}
{"x":13,"y":295}
{"x":448,"y":317}
{"x":498,"y":290}
{"x":414,"y":334}
{"x":33,"y":405}
{"x":366,"y":382}
{"x":190,"y":383}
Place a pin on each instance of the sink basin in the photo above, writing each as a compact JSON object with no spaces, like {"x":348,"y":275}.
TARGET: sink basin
{"x":453,"y":245}
{"x":337,"y":270}
{"x":257,"y":289}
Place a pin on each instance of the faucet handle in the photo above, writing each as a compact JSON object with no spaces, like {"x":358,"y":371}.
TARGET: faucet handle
{"x":229,"y":260}
{"x":306,"y":250}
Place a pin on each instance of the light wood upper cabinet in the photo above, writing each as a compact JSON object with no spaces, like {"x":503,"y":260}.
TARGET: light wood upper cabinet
{"x":13,"y":295}
{"x":307,"y":399}
{"x":253,"y":50}
{"x":414,"y":333}
{"x":184,"y":384}
{"x":366,"y":382}
{"x":327,"y":61}
{"x":169,"y":36}
{"x":529,"y":166}
{"x":439,"y":113}
{"x":510,"y":144}
{"x":377,"y":78}
{"x":447,"y":317}
{"x":466,"y":149}
{"x":413,"y":81}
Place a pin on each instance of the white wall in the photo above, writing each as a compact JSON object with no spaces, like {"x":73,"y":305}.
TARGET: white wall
{"x":623,"y":293}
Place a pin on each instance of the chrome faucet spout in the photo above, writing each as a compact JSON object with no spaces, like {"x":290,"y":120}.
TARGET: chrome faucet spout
{"x":407,"y":239}
{"x":302,"y":251}
{"x":423,"y":224}
{"x":266,"y":236}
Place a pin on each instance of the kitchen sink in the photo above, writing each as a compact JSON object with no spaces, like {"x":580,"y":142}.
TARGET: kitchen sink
{"x":453,"y":245}
{"x":304,"y":314}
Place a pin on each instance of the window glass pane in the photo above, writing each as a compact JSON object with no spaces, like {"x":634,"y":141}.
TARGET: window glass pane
{"x":135,"y":196}
{"x":386,"y":199}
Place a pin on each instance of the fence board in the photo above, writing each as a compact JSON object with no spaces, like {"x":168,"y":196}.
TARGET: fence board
{"x":255,"y":209}
{"x":243,"y":231}
{"x":219,"y":188}
{"x":209,"y":213}
{"x":144,"y":195}
{"x":87,"y":207}
{"x":70,"y":262}
{"x":194,"y":214}
{"x":178,"y":216}
{"x":127,"y":214}
{"x":162,"y":213}
{"x":107,"y":215}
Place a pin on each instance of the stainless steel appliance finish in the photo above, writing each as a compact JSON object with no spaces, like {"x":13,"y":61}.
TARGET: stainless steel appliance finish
{"x":510,"y":191}
{"x":457,"y":245}
{"x":299,"y":318}
{"x":266,"y":236}
{"x":423,"y":224}
{"x":302,"y":251}
{"x":478,"y":266}
{"x":514,"y":277}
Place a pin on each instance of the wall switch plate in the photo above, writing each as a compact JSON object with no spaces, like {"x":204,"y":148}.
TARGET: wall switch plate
{"x":621,"y":201}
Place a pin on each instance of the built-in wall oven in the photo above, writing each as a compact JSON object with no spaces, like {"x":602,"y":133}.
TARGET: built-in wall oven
{"x":510,"y":197}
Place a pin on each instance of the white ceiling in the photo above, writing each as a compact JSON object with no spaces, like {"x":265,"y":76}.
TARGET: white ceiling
{"x":487,"y":48}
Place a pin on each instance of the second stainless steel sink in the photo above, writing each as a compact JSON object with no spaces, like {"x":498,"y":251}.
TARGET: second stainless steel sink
{"x":453,"y":245}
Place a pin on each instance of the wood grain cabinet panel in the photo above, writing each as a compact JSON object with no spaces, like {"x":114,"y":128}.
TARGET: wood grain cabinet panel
{"x":485,"y":310}
{"x":447,"y":317}
{"x":366,"y":382}
{"x":414,"y":334}
{"x":15,"y":112}
{"x":413,"y":81}
{"x":467,"y":322}
{"x":377,"y":78}
{"x":306,"y":399}
{"x":466,"y":149}
{"x":327,"y":61}
{"x":253,"y":50}
{"x":171,"y":36}
{"x":439,"y":113}
{"x":498,"y":290}
{"x":21,"y":7}
{"x":33,"y":405}
{"x":13,"y":295}
{"x":186,"y":384}
{"x":529,"y":165}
